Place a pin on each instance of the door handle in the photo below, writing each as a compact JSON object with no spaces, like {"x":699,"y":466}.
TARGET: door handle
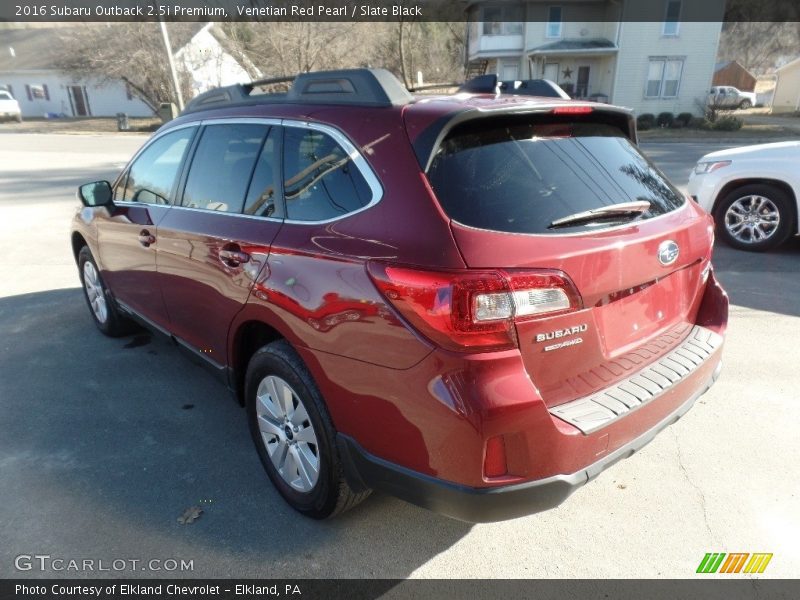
{"x":145,"y":238}
{"x":233,"y":258}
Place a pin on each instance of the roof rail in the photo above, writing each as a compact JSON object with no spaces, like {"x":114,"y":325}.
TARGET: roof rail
{"x":358,"y":87}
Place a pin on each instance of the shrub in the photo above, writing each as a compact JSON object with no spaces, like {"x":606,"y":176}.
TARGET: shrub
{"x":684,"y":119}
{"x":665,"y":119}
{"x":727,"y":123}
{"x":698,"y":123}
{"x":645,"y":121}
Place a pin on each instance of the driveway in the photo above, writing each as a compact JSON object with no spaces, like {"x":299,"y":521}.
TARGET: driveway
{"x":105,"y":442}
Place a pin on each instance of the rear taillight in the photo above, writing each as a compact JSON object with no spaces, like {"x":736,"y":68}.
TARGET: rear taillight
{"x":473,"y":310}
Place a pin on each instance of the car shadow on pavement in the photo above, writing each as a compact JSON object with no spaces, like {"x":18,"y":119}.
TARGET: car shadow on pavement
{"x":105,"y":442}
{"x":765,"y":281}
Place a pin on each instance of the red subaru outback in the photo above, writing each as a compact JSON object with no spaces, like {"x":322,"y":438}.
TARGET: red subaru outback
{"x":475,"y":303}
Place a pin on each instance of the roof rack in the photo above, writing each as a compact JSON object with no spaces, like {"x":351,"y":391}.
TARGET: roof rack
{"x":358,"y":87}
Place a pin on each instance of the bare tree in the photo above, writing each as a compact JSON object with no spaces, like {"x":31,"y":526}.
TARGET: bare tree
{"x":403,"y":47}
{"x":298,"y":47}
{"x":758,"y":45}
{"x":131,"y":52}
{"x":434,"y":48}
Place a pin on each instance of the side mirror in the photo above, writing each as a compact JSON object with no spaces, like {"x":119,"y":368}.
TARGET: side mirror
{"x":97,"y":193}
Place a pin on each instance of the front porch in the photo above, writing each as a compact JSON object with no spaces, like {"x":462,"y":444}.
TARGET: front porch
{"x":583,"y":68}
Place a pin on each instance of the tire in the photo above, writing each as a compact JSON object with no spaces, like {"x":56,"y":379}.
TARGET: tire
{"x":101,"y":305}
{"x":276,"y":370}
{"x":19,"y":119}
{"x":745,"y":104}
{"x":769,"y":209}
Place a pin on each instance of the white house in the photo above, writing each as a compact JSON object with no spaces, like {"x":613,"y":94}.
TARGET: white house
{"x":593,"y":51}
{"x":786,"y":97}
{"x":28,"y":59}
{"x":209,"y":59}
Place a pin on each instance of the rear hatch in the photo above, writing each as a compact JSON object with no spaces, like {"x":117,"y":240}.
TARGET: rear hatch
{"x":571,"y":193}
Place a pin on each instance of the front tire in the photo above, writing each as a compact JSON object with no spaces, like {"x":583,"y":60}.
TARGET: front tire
{"x":101,"y":305}
{"x":754,"y":217}
{"x":294,"y":435}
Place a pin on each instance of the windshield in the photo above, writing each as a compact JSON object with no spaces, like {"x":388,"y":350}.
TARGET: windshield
{"x":523,"y":177}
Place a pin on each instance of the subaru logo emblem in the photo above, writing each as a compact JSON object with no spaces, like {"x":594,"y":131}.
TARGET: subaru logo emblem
{"x":668,"y":252}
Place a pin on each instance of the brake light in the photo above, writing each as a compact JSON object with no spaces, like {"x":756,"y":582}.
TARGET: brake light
{"x":571,"y":110}
{"x":473,"y":310}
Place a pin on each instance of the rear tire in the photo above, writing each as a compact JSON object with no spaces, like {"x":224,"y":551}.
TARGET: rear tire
{"x":755,"y":217}
{"x":101,"y":305}
{"x":745,"y":104}
{"x":294,"y":435}
{"x":19,"y":119}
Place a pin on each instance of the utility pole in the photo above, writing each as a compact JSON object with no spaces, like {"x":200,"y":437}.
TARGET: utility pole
{"x":172,"y":71}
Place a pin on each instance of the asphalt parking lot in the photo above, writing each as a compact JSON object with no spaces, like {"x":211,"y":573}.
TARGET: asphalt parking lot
{"x":100,"y":452}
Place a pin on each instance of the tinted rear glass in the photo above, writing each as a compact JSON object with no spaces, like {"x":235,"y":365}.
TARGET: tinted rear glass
{"x":521,"y":177}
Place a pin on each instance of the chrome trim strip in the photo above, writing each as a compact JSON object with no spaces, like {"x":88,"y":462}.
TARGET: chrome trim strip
{"x":603,"y":408}
{"x":228,"y":214}
{"x":349,"y":147}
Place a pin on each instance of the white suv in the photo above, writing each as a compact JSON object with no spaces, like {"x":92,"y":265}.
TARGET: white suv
{"x":752,"y":192}
{"x":9,"y":108}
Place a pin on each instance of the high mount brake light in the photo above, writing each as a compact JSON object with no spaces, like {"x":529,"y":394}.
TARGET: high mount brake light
{"x":473,"y":310}
{"x":571,"y":110}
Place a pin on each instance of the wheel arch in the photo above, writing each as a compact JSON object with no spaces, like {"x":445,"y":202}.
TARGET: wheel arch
{"x":778,"y":183}
{"x":78,"y":242}
{"x":247,"y":339}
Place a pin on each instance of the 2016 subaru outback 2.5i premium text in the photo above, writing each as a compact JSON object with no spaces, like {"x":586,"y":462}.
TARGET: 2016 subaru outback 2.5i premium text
{"x":474,"y":303}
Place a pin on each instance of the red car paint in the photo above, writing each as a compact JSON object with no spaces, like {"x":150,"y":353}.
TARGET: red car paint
{"x":406,"y":399}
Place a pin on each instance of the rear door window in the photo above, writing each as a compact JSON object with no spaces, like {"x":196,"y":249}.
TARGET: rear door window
{"x":521,"y":177}
{"x":222,"y":166}
{"x":263,"y":196}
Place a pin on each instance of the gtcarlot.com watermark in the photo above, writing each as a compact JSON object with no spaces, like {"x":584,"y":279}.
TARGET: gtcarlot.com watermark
{"x":47,"y":563}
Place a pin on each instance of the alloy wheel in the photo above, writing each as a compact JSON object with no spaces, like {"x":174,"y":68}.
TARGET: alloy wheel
{"x":752,"y":219}
{"x":287,"y":433}
{"x":94,"y":292}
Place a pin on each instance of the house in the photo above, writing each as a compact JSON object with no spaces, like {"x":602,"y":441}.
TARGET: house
{"x":28,"y":69}
{"x":786,"y":97}
{"x":594,"y":50}
{"x":733,"y":74}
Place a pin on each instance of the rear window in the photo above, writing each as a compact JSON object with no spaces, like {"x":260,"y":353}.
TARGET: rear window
{"x":522,"y":177}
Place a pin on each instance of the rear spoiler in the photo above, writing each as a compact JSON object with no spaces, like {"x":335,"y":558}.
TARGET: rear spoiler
{"x":428,"y":141}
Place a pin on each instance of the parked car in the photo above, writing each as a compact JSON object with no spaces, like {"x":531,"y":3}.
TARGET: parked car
{"x":753,"y":193}
{"x":9,"y":107}
{"x":474,"y":303}
{"x":726,"y":96}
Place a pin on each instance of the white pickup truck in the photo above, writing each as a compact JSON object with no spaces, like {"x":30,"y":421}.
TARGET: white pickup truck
{"x":9,"y":108}
{"x":726,"y":96}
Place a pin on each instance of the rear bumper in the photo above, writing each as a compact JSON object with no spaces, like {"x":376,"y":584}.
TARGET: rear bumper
{"x":483,"y":505}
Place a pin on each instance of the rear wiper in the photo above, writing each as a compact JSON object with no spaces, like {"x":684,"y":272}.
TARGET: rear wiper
{"x":602,"y":214}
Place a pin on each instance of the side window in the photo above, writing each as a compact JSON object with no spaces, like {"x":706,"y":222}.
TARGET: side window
{"x":152,"y":175}
{"x":222,"y":166}
{"x":320,"y":181}
{"x":119,"y":189}
{"x":263,"y":195}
